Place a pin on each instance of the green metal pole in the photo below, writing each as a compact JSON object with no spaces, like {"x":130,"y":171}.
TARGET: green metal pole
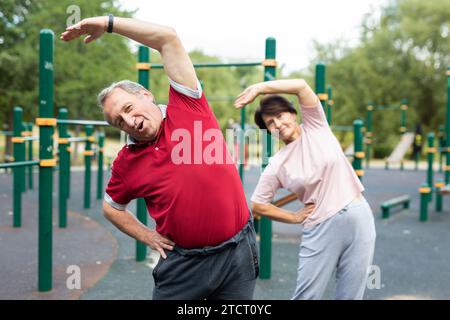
{"x":85,"y":122}
{"x":30,"y":155}
{"x":425,"y":192}
{"x":417,"y":142}
{"x":46,"y":94}
{"x":141,"y":248}
{"x":266,"y":224}
{"x":404,"y":109}
{"x":101,"y":144}
{"x":63,"y":168}
{"x":23,"y":170}
{"x":69,"y":159}
{"x":18,"y":164}
{"x":441,"y":147}
{"x":369,"y":134}
{"x":144,"y":80}
{"x":438,"y":186}
{"x":359,"y":151}
{"x":320,"y":83}
{"x":430,"y":157}
{"x":447,"y":130}
{"x":403,"y":127}
{"x":330,"y":103}
{"x":215,"y":65}
{"x":242,"y":146}
{"x":88,"y":153}
{"x":384,"y":212}
{"x":416,"y":161}
{"x":19,"y":156}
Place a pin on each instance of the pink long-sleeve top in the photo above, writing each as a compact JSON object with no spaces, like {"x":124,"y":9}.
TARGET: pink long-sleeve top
{"x":314,"y":167}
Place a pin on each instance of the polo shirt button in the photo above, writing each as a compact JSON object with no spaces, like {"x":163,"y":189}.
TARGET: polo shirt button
{"x":156,"y":148}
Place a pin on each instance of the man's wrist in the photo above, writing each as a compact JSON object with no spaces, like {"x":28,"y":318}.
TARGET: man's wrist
{"x":105,"y":23}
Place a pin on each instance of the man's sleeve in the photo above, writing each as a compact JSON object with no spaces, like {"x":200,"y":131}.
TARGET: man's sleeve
{"x":267,"y":186}
{"x":187,"y":98}
{"x":117,"y":194}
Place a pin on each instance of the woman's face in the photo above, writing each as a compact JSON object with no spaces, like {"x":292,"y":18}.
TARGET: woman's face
{"x":284,"y":125}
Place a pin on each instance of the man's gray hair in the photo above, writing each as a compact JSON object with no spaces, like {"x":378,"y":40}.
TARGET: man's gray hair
{"x":126,"y":85}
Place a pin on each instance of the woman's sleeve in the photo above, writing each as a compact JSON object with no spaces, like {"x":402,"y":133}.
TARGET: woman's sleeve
{"x":267,"y":186}
{"x":313,"y":117}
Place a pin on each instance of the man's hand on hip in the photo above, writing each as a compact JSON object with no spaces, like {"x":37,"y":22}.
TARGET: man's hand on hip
{"x":92,"y":27}
{"x":159,"y":243}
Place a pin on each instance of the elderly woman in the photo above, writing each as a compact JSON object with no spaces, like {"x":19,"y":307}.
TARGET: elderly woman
{"x":338,"y":224}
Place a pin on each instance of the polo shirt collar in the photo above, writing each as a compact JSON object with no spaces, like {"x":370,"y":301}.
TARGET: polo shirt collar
{"x":163,"y":109}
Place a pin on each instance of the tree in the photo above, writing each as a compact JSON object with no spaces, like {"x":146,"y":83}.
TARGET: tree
{"x":403,"y":54}
{"x":80,"y":70}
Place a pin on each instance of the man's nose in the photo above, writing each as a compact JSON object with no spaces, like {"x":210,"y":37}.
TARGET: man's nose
{"x":129,"y":120}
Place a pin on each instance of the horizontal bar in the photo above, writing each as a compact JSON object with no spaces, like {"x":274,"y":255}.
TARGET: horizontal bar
{"x":19,"y":164}
{"x":391,"y":106}
{"x":83,"y":122}
{"x":77,"y":139}
{"x":342,"y":128}
{"x":6,"y":133}
{"x":219,"y":98}
{"x":30,"y":138}
{"x":285,"y":200}
{"x":215,"y":65}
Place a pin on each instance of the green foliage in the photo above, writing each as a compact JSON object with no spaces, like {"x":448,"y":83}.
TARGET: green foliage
{"x":404,"y":54}
{"x":80,"y":70}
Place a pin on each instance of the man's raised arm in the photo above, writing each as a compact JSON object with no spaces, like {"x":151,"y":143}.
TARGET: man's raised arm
{"x":177,"y":63}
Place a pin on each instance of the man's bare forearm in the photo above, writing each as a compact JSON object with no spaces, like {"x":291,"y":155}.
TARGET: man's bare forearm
{"x":177,"y":63}
{"x":150,"y":34}
{"x":126,"y":222}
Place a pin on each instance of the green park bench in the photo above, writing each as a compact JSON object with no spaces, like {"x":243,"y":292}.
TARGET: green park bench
{"x":395,"y":202}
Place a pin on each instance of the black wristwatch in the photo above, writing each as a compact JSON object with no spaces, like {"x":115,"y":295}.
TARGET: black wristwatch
{"x":110,"y":23}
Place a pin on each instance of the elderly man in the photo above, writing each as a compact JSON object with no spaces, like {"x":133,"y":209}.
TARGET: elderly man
{"x":204,"y":229}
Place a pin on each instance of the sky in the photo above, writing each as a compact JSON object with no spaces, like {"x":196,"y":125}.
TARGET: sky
{"x":235,"y":30}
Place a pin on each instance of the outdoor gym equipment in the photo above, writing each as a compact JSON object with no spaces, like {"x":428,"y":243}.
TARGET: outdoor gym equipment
{"x":387,"y":206}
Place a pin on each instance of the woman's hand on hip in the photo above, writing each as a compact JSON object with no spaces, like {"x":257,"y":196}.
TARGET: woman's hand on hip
{"x":304,"y":213}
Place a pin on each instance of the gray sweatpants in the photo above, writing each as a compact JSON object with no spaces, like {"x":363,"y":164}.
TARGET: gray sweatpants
{"x":345,"y":243}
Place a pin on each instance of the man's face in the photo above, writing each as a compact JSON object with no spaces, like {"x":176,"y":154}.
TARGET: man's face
{"x":137,"y":115}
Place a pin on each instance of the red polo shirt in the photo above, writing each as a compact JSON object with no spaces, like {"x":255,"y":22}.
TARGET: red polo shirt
{"x":187,"y":177}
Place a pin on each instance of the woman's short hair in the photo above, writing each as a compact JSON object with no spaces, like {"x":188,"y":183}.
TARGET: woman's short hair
{"x":272,"y":105}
